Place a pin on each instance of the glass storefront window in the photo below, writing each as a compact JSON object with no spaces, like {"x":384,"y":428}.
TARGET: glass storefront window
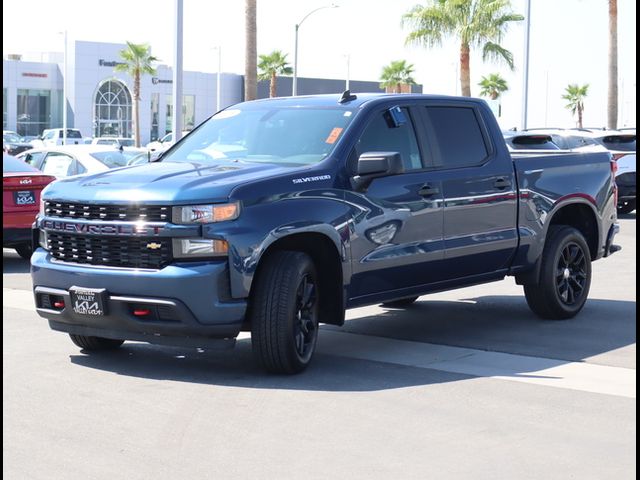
{"x":34,"y":111}
{"x":112,"y":110}
{"x":188,"y":112}
{"x":155,"y":115}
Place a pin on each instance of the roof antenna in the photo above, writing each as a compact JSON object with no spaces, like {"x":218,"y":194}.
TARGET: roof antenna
{"x":347,"y":97}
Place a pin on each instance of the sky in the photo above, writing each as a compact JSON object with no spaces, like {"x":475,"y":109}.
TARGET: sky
{"x":568,"y":44}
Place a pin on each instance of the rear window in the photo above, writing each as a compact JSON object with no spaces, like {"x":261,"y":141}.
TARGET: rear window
{"x":12,"y":164}
{"x":623,"y":143}
{"x":71,"y":134}
{"x":458,"y":135}
{"x":533,"y":142}
{"x":112,"y":159}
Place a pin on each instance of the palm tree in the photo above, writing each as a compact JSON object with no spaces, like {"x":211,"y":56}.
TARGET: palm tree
{"x":474,"y":23}
{"x":137,"y":62}
{"x":612,"y":96}
{"x":251,"y":51}
{"x":575,"y":96}
{"x":396,"y":74}
{"x":272,"y":65}
{"x":493,"y":86}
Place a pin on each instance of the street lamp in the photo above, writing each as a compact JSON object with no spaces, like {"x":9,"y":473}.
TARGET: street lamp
{"x":347,"y":56}
{"x":218,"y":75}
{"x":64,"y":90}
{"x":295,"y":50}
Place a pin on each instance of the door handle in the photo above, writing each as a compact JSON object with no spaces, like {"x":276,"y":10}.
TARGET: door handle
{"x":427,"y":190}
{"x":502,"y":183}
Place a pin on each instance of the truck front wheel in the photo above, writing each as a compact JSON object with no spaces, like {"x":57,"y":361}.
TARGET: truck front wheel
{"x":284,"y":312}
{"x":565,"y":275}
{"x":95,"y":343}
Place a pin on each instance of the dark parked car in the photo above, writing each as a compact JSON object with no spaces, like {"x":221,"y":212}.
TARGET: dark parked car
{"x":21,"y":188}
{"x":14,"y":144}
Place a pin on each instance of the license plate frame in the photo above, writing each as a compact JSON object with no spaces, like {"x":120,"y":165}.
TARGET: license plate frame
{"x":23,"y":198}
{"x":88,"y":302}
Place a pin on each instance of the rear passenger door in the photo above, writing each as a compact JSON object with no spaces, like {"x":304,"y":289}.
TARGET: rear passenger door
{"x":479,"y":189}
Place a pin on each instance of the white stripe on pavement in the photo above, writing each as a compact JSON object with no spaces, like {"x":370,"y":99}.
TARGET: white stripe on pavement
{"x":581,"y":376}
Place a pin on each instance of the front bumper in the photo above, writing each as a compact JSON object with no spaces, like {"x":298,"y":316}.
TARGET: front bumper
{"x":189,"y":303}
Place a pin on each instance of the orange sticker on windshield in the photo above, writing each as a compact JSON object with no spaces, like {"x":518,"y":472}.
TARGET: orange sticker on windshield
{"x":333,"y":136}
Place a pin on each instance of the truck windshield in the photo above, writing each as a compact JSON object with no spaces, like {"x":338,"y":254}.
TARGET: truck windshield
{"x":286,"y":136}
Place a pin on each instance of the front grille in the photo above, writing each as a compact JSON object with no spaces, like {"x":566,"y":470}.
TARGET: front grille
{"x":626,"y":180}
{"x":124,"y":213}
{"x":110,"y":251}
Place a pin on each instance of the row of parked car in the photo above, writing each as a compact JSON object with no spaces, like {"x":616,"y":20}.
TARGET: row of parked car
{"x":621,"y":143}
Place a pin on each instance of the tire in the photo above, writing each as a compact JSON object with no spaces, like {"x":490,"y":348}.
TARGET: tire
{"x":626,"y":207}
{"x":405,"y":302}
{"x":95,"y":343}
{"x":25,"y":251}
{"x":284,"y":313}
{"x":565,"y":275}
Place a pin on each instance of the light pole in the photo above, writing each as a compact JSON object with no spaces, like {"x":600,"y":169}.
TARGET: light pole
{"x":295,"y":49}
{"x":64,"y":90}
{"x":348,"y":57}
{"x":525,"y":73}
{"x":218,"y":75}
{"x":177,"y":71}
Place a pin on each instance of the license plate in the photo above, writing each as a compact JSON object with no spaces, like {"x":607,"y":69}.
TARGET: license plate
{"x":88,"y":301}
{"x":24,"y":197}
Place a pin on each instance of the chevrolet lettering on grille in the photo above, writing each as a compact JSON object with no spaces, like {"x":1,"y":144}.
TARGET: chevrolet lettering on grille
{"x":86,"y":228}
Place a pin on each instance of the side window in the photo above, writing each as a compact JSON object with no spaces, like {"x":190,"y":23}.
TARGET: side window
{"x":49,"y":135}
{"x":58,"y":165}
{"x":458,"y":136}
{"x":381,"y":136}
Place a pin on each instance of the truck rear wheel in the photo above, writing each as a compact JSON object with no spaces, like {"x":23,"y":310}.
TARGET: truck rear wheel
{"x":565,"y":275}
{"x":95,"y":343}
{"x":284,"y":312}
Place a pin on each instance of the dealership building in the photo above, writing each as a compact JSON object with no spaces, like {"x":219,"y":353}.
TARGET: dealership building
{"x":99,"y":99}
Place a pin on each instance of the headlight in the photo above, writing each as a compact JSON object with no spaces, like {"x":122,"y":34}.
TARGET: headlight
{"x":206,"y":213}
{"x":199,"y":247}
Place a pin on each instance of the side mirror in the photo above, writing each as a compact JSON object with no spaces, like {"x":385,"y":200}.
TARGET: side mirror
{"x":373,"y":165}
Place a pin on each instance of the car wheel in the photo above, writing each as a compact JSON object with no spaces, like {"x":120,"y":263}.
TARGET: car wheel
{"x":95,"y":343}
{"x":405,"y":302}
{"x":626,"y":207}
{"x":284,"y":312}
{"x":25,"y":251}
{"x":565,"y":275}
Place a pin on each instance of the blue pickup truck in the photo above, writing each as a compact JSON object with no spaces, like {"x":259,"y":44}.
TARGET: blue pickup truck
{"x":274,"y":216}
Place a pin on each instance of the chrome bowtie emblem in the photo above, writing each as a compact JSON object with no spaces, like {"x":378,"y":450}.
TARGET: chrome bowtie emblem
{"x":154,"y":246}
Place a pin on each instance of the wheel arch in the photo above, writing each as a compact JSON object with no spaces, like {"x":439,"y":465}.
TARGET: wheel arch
{"x":328,"y":260}
{"x":578,"y":213}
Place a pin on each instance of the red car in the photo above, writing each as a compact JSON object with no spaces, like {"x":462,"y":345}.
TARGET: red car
{"x":21,"y":187}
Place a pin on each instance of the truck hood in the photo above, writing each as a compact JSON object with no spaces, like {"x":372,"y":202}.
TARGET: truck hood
{"x":163,"y":182}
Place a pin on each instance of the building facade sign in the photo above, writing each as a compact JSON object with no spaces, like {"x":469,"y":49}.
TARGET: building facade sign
{"x":109,"y":63}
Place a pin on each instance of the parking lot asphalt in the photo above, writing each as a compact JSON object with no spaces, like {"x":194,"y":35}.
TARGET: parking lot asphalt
{"x":464,"y":384}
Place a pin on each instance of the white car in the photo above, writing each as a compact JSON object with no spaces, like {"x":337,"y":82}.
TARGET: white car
{"x":64,"y":161}
{"x":164,"y":143}
{"x":53,"y":136}
{"x":114,"y":141}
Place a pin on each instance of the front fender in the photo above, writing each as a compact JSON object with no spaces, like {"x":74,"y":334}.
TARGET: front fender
{"x":262,"y":224}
